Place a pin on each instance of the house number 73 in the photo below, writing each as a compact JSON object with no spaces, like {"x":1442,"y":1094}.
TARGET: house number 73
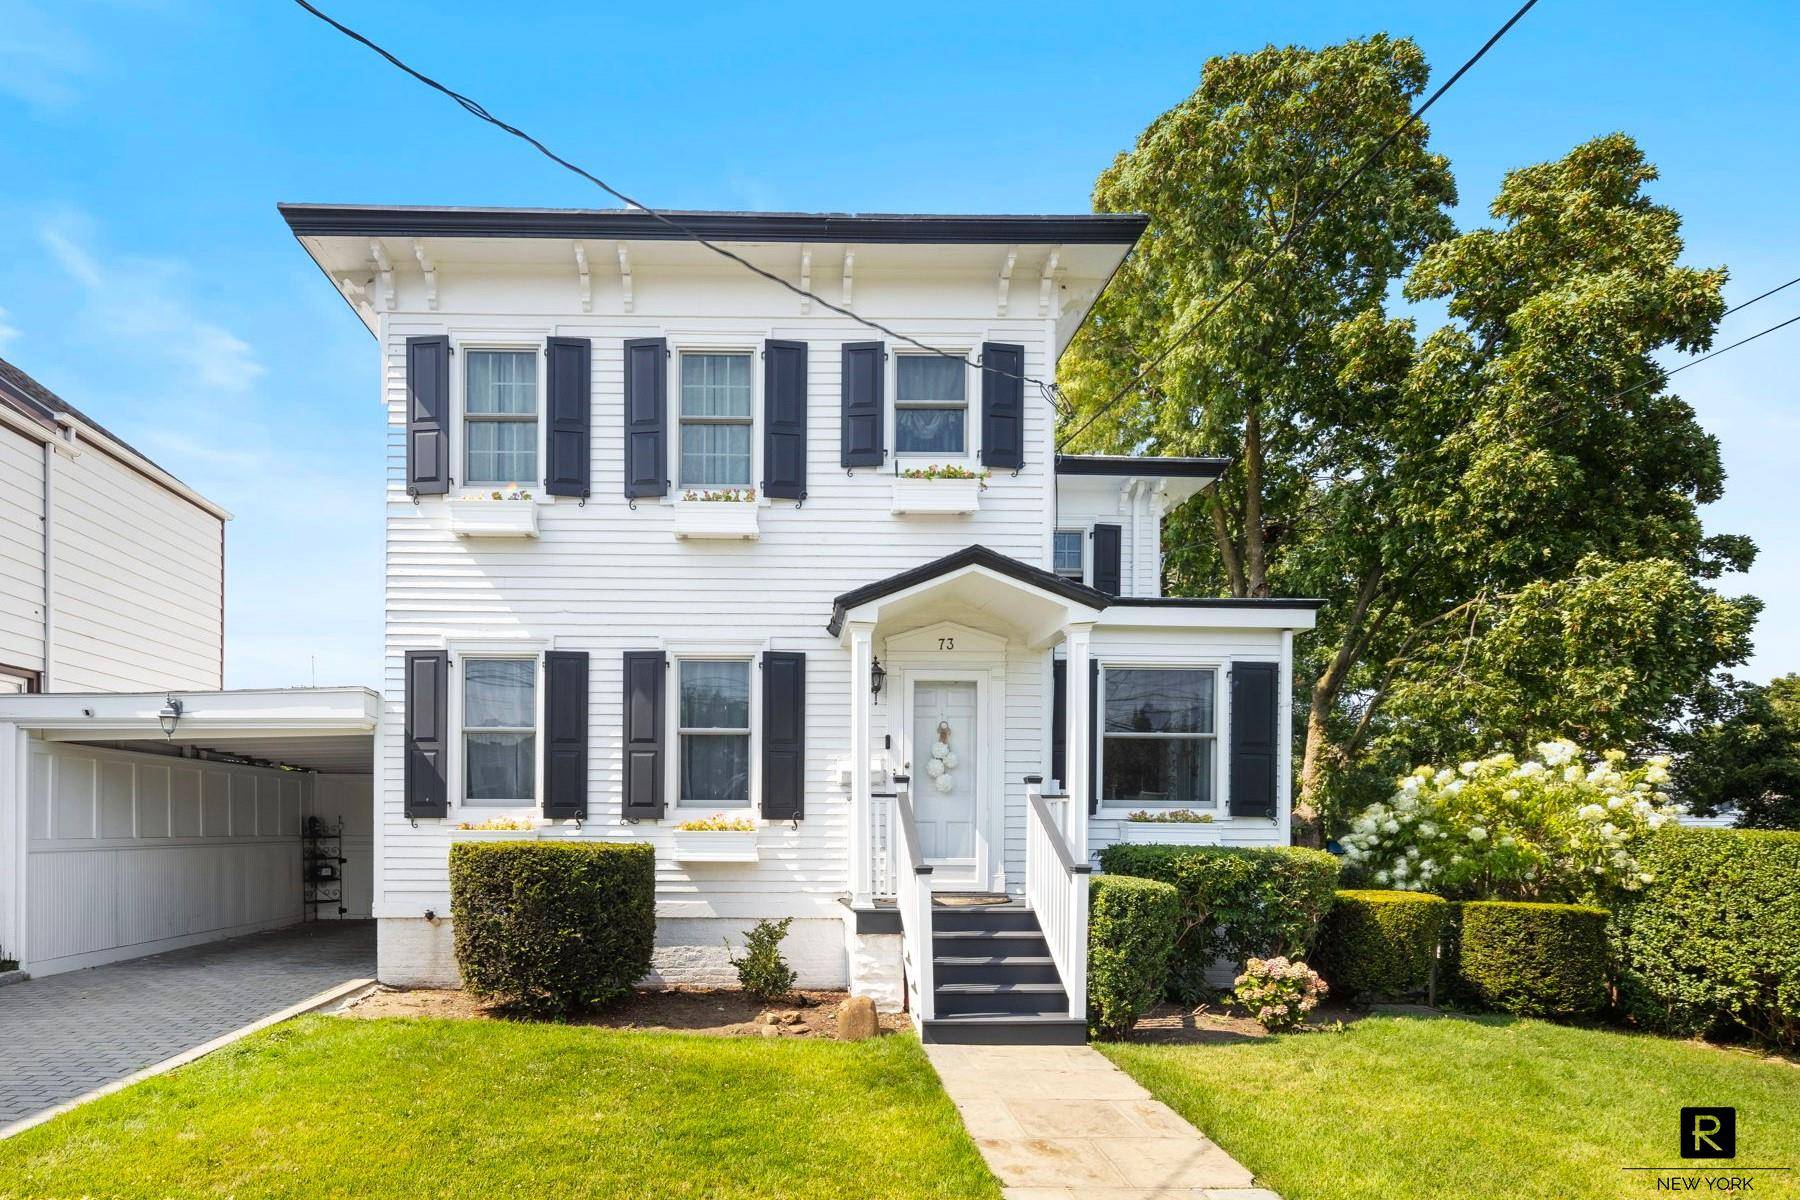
{"x":947,"y":643}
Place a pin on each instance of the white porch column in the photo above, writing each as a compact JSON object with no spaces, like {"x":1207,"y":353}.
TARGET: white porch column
{"x":862,"y":865}
{"x":1078,"y":751}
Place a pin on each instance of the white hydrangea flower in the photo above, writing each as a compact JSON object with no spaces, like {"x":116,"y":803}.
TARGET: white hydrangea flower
{"x":1390,"y":826}
{"x":1477,"y":833}
{"x":1469,"y":768}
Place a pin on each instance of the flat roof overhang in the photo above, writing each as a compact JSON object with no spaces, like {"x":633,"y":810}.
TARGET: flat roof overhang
{"x":330,"y":730}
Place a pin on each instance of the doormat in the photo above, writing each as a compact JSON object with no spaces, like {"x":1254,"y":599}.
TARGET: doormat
{"x":970,"y":899}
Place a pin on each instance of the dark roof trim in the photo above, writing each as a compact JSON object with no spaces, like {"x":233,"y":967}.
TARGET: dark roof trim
{"x":374,"y":220}
{"x":969,"y":556}
{"x":1217,"y":602}
{"x":1148,"y":464}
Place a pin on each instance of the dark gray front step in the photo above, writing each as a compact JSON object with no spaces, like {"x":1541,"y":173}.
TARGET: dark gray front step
{"x":976,"y":999}
{"x":957,"y":920}
{"x":989,"y":968}
{"x":1005,"y":1030}
{"x":984,"y":943}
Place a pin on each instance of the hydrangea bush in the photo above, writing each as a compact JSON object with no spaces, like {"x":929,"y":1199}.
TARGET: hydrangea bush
{"x":1278,"y":992}
{"x":1560,"y":826}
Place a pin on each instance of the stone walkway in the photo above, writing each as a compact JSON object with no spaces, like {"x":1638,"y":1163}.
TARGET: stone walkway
{"x":64,"y":1035}
{"x":1063,"y":1123}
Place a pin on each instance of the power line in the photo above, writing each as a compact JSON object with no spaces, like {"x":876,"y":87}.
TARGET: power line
{"x":1294,"y":231}
{"x":475,"y":109}
{"x":1694,"y":362}
{"x":1752,"y":300}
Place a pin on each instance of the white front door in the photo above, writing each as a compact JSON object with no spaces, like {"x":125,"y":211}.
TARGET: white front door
{"x":946,"y":774}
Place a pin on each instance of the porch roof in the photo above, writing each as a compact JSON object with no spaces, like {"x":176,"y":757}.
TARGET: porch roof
{"x":980,"y":557}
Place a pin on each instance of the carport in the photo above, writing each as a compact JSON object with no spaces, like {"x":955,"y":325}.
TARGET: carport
{"x":132,"y":824}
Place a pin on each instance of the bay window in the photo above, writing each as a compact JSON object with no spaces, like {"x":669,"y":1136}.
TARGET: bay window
{"x":500,"y":417}
{"x":1159,"y":736}
{"x":499,"y":720}
{"x":712,"y":721}
{"x":717,"y":420}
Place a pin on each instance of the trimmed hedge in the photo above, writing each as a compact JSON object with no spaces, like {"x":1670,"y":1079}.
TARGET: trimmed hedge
{"x":1380,"y":943}
{"x":1236,"y":903}
{"x":1131,"y":933}
{"x":1532,"y":959}
{"x":552,"y":927}
{"x":1713,"y":941}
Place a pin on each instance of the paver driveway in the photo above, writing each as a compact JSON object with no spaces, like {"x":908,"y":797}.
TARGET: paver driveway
{"x":67,"y":1034}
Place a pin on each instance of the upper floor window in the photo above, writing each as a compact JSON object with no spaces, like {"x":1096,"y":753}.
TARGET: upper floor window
{"x":499,"y":718}
{"x":500,"y":417}
{"x":713,"y":724}
{"x":716,"y":420}
{"x":1159,"y":737}
{"x":931,"y":405}
{"x":1066,"y":554}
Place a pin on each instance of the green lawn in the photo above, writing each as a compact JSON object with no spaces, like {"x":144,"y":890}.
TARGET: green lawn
{"x":1395,"y":1108}
{"x":330,"y":1107}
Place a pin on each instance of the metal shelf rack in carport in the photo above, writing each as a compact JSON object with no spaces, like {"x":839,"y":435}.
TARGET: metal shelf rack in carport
{"x":321,"y":866}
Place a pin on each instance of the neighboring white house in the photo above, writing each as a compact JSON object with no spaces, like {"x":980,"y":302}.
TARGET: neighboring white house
{"x":865,"y":665}
{"x":118,"y":838}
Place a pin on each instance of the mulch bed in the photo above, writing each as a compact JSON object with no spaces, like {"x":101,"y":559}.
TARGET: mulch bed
{"x":717,"y":1012}
{"x":1171,"y":1023}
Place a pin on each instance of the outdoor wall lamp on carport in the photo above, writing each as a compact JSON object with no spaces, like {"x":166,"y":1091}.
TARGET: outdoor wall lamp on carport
{"x":169,"y":716}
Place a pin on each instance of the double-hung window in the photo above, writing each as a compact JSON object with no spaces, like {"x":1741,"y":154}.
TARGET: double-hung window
{"x":1159,"y":738}
{"x":500,"y":417}
{"x":931,"y":406}
{"x":717,"y":418}
{"x":1066,"y":554}
{"x":499,"y":719}
{"x":712,"y":722}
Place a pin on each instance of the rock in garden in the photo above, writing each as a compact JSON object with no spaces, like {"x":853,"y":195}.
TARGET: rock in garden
{"x":769,"y":1030}
{"x":790,"y":1018}
{"x":856,"y":1019}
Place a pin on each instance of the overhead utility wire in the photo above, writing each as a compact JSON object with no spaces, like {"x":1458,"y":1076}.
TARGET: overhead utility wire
{"x":1293,"y":233}
{"x":474,"y":108}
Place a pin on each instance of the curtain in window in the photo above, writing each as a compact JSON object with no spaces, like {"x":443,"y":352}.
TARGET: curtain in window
{"x":502,"y":382}
{"x":502,"y":452}
{"x":928,"y":379}
{"x":928,"y":430}
{"x":713,"y":711}
{"x":500,"y":695}
{"x":715,"y":385}
{"x":715,"y":455}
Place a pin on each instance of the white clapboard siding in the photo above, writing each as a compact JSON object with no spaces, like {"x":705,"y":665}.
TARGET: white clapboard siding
{"x":138,"y":578}
{"x":132,"y":853}
{"x":1084,"y":501}
{"x":21,"y":550}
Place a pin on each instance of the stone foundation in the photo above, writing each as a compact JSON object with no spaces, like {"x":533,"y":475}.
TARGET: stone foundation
{"x":414,"y":952}
{"x":877,"y":967}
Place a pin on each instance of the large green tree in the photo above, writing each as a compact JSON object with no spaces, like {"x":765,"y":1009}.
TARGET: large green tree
{"x":1739,"y":751}
{"x":1502,"y":512}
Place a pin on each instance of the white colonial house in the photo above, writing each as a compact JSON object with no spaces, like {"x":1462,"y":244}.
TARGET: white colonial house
{"x":668,"y":541}
{"x":142,"y":808}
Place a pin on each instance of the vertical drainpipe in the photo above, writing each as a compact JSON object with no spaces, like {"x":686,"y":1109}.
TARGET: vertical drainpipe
{"x":46,"y":683}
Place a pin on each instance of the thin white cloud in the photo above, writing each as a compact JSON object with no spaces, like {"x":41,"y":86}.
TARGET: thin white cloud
{"x":42,"y":57}
{"x":9,"y":333}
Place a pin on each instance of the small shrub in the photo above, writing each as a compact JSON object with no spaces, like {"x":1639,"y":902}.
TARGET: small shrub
{"x":1713,"y":943}
{"x":1131,"y":933}
{"x":762,"y":970}
{"x":1380,"y":943}
{"x":552,"y":927}
{"x":1532,"y":959}
{"x":1278,"y":993}
{"x":1236,"y":903}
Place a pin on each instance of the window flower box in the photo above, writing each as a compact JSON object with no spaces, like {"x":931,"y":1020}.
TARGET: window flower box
{"x":940,"y":496}
{"x":472,"y":516}
{"x":494,"y":835}
{"x":729,"y":515}
{"x":1171,"y":833}
{"x":713,"y":845}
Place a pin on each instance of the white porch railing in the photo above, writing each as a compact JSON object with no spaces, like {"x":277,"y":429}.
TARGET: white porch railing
{"x":913,"y":898}
{"x":1056,"y":888}
{"x":883,"y":845}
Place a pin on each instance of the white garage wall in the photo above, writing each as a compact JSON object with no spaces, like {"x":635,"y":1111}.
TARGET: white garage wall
{"x":133,"y":853}
{"x":351,"y":799}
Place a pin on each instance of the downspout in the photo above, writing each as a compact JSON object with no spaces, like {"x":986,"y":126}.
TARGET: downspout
{"x":47,"y":682}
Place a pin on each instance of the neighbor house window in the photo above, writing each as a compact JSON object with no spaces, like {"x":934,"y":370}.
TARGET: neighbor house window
{"x":499,"y":717}
{"x":1159,"y":736}
{"x":500,"y":417}
{"x":713,"y":722}
{"x":930,"y":407}
{"x":1067,"y":553}
{"x":716,"y":420}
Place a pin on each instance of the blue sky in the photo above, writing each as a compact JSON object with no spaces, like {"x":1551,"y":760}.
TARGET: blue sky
{"x":145,"y":276}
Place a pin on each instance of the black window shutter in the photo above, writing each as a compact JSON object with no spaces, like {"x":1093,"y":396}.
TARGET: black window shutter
{"x":644,"y":750}
{"x":1093,"y":735}
{"x":1002,"y":405}
{"x":1255,"y":696}
{"x":784,"y":736}
{"x":565,"y":733}
{"x":646,"y":417}
{"x":427,"y":416}
{"x":427,"y":714}
{"x":570,"y":376}
{"x":1059,"y":722}
{"x":864,"y":376}
{"x":784,"y":420}
{"x":1108,"y":559}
